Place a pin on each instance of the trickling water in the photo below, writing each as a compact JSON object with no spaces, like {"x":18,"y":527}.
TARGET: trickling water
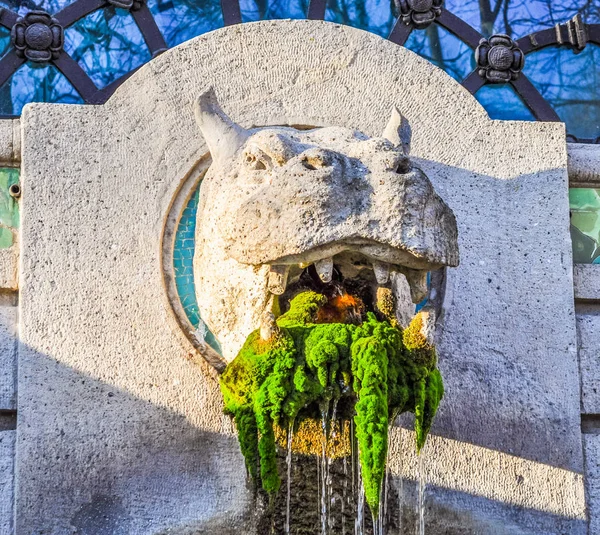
{"x":359,"y":523}
{"x":324,"y":468}
{"x":333,"y":427}
{"x":289,"y":477}
{"x":421,"y":495}
{"x":400,"y":480}
{"x":353,"y":456}
{"x":345,"y":484}
{"x":319,"y":483}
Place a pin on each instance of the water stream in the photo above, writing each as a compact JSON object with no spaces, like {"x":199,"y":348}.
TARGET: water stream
{"x":359,"y":523}
{"x":345,"y":483}
{"x":289,"y":477}
{"x":420,"y":494}
{"x":324,"y":468}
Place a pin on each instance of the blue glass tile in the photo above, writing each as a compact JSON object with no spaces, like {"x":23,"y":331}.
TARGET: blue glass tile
{"x":273,"y":9}
{"x":569,"y":82}
{"x":372,"y":15}
{"x":36,"y":84}
{"x":502,"y":102}
{"x":22,"y":7}
{"x":4,"y":40}
{"x":443,"y":49}
{"x":521,"y":17}
{"x":180,"y":20}
{"x":107,"y":44}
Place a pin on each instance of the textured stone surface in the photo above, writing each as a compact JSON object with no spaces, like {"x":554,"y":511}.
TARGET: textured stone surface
{"x":586,"y":282}
{"x":10,"y":142}
{"x":8,"y":352}
{"x":282,"y":197}
{"x":591,"y":445}
{"x":9,"y":266}
{"x":588,"y":333}
{"x":117,"y":427}
{"x":7,"y":461}
{"x":584,"y":164}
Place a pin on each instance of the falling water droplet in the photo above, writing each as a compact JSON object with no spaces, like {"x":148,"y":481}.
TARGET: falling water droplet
{"x":421,"y":495}
{"x":400,"y":480}
{"x":359,"y":523}
{"x":333,"y":435}
{"x":324,"y":468}
{"x":289,"y":477}
{"x":345,"y":484}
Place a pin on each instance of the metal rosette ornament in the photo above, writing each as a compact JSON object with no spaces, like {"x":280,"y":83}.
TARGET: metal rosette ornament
{"x":499,"y":59}
{"x":419,"y":13}
{"x":131,"y":5}
{"x":38,"y":37}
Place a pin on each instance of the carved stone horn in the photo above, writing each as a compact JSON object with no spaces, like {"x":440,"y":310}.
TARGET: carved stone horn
{"x":223,"y":137}
{"x":398,"y":131}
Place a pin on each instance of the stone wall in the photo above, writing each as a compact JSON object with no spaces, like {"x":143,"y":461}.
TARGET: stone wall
{"x":119,"y":418}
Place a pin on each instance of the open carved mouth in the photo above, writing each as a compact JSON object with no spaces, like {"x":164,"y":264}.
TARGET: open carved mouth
{"x":355,"y":281}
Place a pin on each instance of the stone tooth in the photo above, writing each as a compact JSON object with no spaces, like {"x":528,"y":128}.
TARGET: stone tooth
{"x":382,"y":272}
{"x":405,"y":308}
{"x":324,"y":269}
{"x":417,"y":280}
{"x":268,"y":326}
{"x":278,"y":279}
{"x":428,"y":326}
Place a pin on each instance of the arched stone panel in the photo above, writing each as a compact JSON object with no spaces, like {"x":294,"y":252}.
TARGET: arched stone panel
{"x":120,"y":417}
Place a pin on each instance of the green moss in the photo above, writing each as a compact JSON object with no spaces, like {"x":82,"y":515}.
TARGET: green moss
{"x":375,"y":367}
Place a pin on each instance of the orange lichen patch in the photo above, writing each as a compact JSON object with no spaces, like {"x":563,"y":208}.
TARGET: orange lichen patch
{"x":308,"y":438}
{"x":343,"y":308}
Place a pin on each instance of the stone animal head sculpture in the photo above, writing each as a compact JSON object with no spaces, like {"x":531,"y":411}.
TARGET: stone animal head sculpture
{"x":277,"y":200}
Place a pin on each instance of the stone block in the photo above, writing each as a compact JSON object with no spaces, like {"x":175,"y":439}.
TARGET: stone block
{"x":584,"y":165}
{"x":7,"y":461}
{"x":10,"y":142}
{"x":591,"y":446}
{"x":8,"y":353}
{"x":586,"y":282}
{"x":588,"y":332}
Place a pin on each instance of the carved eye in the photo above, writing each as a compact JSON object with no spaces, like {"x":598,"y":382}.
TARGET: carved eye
{"x":316,"y":159}
{"x":256,"y":160}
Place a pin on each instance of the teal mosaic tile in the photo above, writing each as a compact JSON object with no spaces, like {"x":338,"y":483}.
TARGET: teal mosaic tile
{"x":183,"y":258}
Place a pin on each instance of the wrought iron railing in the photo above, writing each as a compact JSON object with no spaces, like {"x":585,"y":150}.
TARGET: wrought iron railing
{"x":38,"y":37}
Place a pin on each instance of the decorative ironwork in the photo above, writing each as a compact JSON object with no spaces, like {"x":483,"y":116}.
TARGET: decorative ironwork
{"x":577,"y":35}
{"x":499,"y":59}
{"x":132,"y":5}
{"x":419,"y":13}
{"x":37,"y":36}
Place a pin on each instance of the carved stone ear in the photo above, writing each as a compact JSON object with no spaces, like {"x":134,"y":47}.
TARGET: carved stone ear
{"x":223,"y":137}
{"x":398,"y":131}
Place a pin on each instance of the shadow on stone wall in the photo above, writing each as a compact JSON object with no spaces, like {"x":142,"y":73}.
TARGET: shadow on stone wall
{"x":166,"y":476}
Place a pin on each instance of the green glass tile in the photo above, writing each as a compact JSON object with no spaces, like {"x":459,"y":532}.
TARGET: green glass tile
{"x":6,"y":238}
{"x":9,"y":207}
{"x":584,"y":205}
{"x":584,"y":199}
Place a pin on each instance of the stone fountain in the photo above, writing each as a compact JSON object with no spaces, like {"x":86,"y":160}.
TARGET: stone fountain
{"x":120,"y":426}
{"x":322,"y":241}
